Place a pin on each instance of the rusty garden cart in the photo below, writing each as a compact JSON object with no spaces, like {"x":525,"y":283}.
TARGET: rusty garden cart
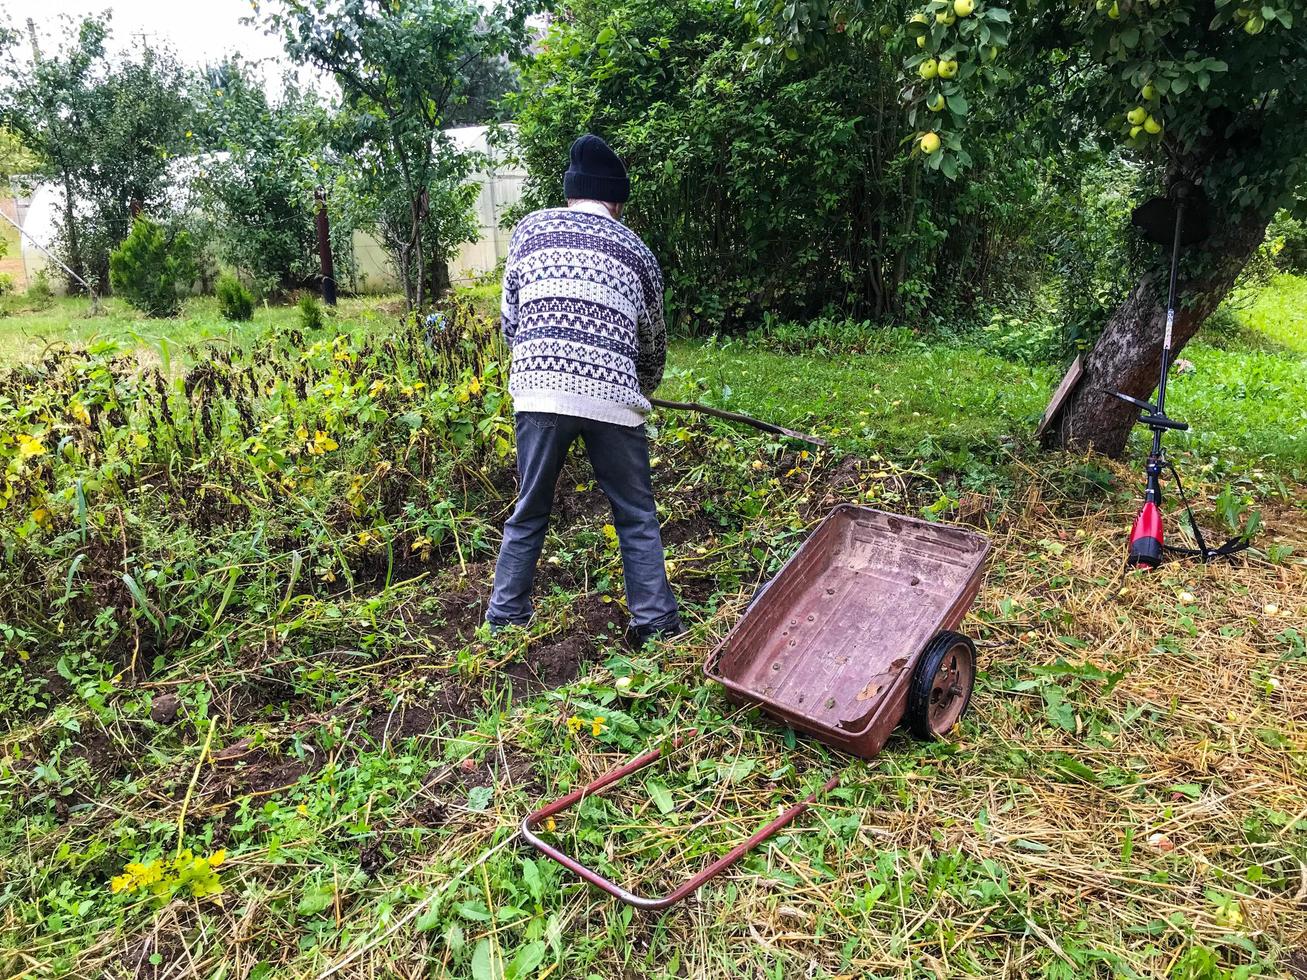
{"x":856,"y":634}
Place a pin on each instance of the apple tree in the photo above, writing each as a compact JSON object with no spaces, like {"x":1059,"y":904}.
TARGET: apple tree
{"x":1206,"y":92}
{"x":405,"y":72}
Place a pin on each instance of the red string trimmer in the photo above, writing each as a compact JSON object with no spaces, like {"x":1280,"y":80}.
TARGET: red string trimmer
{"x":1148,"y":548}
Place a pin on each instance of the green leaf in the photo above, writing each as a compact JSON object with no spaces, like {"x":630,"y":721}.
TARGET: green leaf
{"x":1073,"y":767}
{"x":1056,"y":710}
{"x":429,"y":919}
{"x":315,"y":900}
{"x":139,"y":596}
{"x":1030,"y":845}
{"x":734,"y":772}
{"x":474,"y":911}
{"x":606,"y":36}
{"x":957,"y":103}
{"x":478,"y":798}
{"x":485,"y":964}
{"x":72,"y":570}
{"x":528,"y":958}
{"x":661,"y":797}
{"x":1252,"y":527}
{"x":531,"y":876}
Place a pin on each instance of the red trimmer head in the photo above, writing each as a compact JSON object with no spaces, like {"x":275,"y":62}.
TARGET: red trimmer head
{"x":1146,"y":538}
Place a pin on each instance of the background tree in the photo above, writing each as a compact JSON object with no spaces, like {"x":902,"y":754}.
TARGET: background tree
{"x":1203,"y":92}
{"x":140,"y":114}
{"x":45,"y":101}
{"x":403,"y":70}
{"x":103,"y":129}
{"x":255,"y":185}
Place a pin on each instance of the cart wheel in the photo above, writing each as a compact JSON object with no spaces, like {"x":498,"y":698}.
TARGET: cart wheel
{"x":941,"y":685}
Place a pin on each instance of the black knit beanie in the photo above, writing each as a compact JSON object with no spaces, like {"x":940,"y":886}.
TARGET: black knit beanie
{"x":596,"y":173}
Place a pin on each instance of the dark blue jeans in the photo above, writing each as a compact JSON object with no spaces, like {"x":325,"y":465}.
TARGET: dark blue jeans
{"x":620,"y":457}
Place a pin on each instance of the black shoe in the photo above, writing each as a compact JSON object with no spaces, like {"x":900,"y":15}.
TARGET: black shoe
{"x":498,"y":628}
{"x":638,"y":636}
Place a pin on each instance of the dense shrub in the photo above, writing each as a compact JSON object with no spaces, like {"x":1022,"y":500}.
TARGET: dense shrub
{"x":39,"y":294}
{"x":1291,"y":233}
{"x":235,"y":301}
{"x":782,"y":188}
{"x":310,"y":312}
{"x":152,"y":267}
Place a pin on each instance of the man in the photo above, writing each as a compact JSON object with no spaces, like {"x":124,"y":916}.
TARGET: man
{"x":583,"y":316}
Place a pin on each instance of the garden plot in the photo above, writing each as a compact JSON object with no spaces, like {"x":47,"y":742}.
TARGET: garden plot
{"x":254,"y":728}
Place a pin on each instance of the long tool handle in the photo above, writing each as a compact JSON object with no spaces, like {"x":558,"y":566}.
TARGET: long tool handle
{"x":1170,"y":311}
{"x":721,"y":413}
{"x":691,"y":885}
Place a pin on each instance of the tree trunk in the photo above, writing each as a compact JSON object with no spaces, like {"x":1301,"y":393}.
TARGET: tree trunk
{"x":439,"y":277}
{"x":74,"y":244}
{"x":1127,"y":354}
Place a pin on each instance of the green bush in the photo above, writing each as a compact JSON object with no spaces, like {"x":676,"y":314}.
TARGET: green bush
{"x":152,"y":267}
{"x":1028,"y":340}
{"x":1292,"y":236}
{"x":785,"y":189}
{"x":39,"y":294}
{"x":310,"y":311}
{"x":235,"y":301}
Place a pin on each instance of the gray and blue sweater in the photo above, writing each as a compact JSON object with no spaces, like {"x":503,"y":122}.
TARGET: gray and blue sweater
{"x":583,"y":316}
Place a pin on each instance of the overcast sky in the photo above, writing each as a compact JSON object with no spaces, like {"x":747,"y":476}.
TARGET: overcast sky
{"x":200,"y":31}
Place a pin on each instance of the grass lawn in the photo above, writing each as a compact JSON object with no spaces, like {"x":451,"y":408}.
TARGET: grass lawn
{"x":251,"y":727}
{"x":1279,"y":313}
{"x":69,"y":321}
{"x":907,"y":400}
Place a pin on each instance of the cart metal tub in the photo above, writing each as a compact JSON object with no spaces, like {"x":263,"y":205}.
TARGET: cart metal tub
{"x":829,"y":646}
{"x":853,"y":636}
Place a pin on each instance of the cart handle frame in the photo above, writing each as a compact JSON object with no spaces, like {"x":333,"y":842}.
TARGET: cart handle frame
{"x":692,"y":884}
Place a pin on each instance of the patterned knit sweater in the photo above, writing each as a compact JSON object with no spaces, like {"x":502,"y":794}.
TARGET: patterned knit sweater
{"x":583,"y":316}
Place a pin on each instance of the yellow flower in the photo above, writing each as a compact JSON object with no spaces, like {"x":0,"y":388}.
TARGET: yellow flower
{"x":41,"y":516}
{"x":377,"y":388}
{"x":550,"y":825}
{"x":597,"y":726}
{"x":217,"y":857}
{"x":302,"y":433}
{"x":141,"y":439}
{"x":302,"y":810}
{"x":78,"y":411}
{"x":474,"y":386}
{"x":575,"y":724}
{"x":29,"y":447}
